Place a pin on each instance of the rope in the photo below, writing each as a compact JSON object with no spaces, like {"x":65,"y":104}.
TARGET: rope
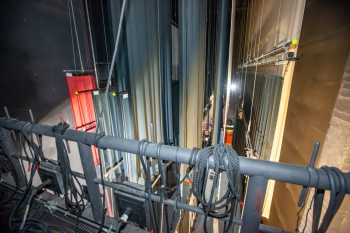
{"x":246,"y":45}
{"x":278,"y":22}
{"x":250,"y":149}
{"x":226,"y":162}
{"x":241,"y":52}
{"x":104,"y":33}
{"x":91,"y":42}
{"x":71,"y":33}
{"x":76,"y":35}
{"x":116,"y":46}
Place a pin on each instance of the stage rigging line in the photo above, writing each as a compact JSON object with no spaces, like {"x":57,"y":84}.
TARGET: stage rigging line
{"x":76,"y":36}
{"x":71,"y":34}
{"x":91,"y":42}
{"x":251,"y":150}
{"x":116,"y":46}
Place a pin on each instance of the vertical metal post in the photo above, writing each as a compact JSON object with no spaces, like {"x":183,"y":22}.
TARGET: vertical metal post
{"x":221,"y":65}
{"x":253,"y":204}
{"x":165,"y":65}
{"x":90,"y":177}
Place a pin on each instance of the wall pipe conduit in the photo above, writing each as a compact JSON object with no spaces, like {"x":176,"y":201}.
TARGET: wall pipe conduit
{"x":294,"y":174}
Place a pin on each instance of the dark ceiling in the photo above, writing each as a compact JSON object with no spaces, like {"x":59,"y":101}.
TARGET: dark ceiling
{"x":35,"y":48}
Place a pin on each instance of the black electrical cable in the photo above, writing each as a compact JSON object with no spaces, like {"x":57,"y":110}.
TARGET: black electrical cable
{"x":7,"y":199}
{"x":176,"y":188}
{"x":148,"y":184}
{"x":162,"y":176}
{"x":338,"y":187}
{"x":31,"y":225}
{"x":33,"y":193}
{"x":27,"y":198}
{"x":226,"y":162}
{"x":73,"y":192}
{"x":337,"y":193}
{"x":34,"y":150}
{"x":181,"y":181}
{"x":18,"y":140}
{"x":23,"y":199}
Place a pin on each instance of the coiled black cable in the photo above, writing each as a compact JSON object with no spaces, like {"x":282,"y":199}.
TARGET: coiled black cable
{"x":337,"y":193}
{"x":338,"y":189}
{"x":226,"y":162}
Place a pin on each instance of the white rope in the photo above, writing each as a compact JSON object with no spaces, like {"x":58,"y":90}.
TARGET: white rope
{"x":240,"y":54}
{"x":91,"y":42}
{"x":71,"y":34}
{"x":250,"y":41}
{"x":76,"y":36}
{"x":246,"y":45}
{"x":248,"y":139}
{"x":116,"y":46}
{"x":104,"y":32}
{"x":278,"y":23}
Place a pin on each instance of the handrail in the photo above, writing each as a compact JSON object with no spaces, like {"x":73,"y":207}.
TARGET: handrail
{"x":295,"y":174}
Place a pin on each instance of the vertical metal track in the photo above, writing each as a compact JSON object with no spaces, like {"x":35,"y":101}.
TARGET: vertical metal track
{"x":90,"y":176}
{"x":165,"y":65}
{"x":254,"y":201}
{"x":222,"y":62}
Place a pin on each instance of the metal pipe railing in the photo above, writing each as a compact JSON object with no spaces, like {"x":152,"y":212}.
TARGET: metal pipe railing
{"x":136,"y":193}
{"x":294,"y":174}
{"x":133,"y":193}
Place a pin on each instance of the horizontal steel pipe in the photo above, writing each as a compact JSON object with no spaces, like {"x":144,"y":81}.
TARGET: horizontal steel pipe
{"x":134,"y":193}
{"x":294,"y":174}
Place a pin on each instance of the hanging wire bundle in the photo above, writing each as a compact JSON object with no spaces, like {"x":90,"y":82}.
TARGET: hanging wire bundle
{"x":226,"y":162}
{"x":35,"y":152}
{"x":7,"y":166}
{"x":337,"y":193}
{"x":146,"y":166}
{"x":73,"y":194}
{"x":20,"y":219}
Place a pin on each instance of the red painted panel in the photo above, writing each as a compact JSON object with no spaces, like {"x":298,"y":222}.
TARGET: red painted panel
{"x":79,"y":90}
{"x":80,"y":93}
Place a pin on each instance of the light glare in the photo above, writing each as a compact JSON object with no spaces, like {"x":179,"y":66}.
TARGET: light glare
{"x":233,"y":87}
